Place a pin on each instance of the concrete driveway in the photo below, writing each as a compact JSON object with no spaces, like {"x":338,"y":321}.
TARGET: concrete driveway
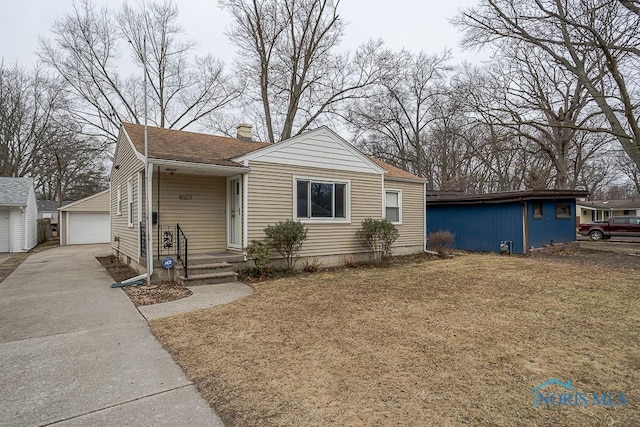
{"x":76,"y":352}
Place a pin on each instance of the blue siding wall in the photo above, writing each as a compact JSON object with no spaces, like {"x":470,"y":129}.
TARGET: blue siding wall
{"x":479,"y":227}
{"x":543,"y":230}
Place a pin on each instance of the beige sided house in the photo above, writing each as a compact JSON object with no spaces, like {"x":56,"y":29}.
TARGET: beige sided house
{"x":216,"y":194}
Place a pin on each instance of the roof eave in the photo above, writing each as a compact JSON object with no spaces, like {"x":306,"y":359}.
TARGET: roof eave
{"x":198,"y":166}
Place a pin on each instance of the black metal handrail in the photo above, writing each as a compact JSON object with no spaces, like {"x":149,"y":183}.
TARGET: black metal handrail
{"x":183,"y":250}
{"x":143,"y":241}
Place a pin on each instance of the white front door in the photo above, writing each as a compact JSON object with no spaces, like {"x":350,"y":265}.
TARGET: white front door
{"x":234,"y":201}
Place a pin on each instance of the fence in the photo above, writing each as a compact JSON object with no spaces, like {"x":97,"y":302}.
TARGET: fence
{"x":44,"y":230}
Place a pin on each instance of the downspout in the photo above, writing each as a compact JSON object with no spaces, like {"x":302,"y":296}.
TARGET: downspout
{"x":424,"y":216}
{"x":525,"y":227}
{"x":158,"y":213}
{"x":10,"y":232}
{"x":245,"y":211}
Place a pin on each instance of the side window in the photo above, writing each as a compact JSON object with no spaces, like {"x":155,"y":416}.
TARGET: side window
{"x":537,"y":210}
{"x":563,"y":210}
{"x":119,"y":201}
{"x":393,"y":206}
{"x":129,"y":203}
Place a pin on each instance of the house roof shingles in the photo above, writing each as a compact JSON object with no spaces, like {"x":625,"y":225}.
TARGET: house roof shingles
{"x":179,"y":145}
{"x":185,"y":146}
{"x":14,"y":191}
{"x":395,"y":172}
{"x":612,"y":204}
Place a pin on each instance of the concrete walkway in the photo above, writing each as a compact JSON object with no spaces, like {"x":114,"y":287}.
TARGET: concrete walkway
{"x":204,"y":296}
{"x":75,"y":352}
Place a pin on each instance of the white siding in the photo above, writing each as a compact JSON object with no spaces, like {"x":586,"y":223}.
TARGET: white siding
{"x":4,"y":230}
{"x":318,"y":149}
{"x":31,"y":219}
{"x":16,"y":220}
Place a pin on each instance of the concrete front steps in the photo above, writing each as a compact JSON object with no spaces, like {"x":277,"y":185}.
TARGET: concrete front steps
{"x":210,"y":269}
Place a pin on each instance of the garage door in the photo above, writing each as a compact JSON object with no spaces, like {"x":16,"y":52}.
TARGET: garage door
{"x":88,"y":227}
{"x":4,"y":230}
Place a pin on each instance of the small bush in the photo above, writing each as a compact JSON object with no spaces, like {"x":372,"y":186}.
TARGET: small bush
{"x":377,"y":235}
{"x":286,"y":238}
{"x":348,"y":261}
{"x":311,"y":265}
{"x":259,"y":253}
{"x":441,"y":242}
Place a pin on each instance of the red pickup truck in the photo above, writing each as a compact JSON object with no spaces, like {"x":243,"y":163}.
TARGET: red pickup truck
{"x":616,"y":226}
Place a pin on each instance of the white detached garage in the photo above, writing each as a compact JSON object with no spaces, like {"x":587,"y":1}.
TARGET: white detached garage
{"x":86,"y":221}
{"x":18,"y":215}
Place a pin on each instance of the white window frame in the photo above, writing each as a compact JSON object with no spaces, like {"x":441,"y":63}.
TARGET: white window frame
{"x":384,"y":202}
{"x":130,"y":203}
{"x":119,"y":200}
{"x":322,"y":180}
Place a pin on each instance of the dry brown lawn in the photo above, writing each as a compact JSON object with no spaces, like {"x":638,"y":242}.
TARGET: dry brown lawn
{"x":447,"y":342}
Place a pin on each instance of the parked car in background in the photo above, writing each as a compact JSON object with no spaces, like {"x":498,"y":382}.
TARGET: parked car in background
{"x":615,"y":226}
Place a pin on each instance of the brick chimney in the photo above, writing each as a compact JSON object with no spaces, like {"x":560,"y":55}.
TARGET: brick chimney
{"x":244,"y":131}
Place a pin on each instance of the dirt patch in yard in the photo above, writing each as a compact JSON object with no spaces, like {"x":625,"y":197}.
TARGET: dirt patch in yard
{"x":143,"y":295}
{"x":605,"y":255}
{"x":450,"y":342}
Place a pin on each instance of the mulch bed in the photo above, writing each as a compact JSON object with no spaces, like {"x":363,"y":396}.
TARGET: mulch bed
{"x":157,"y":293}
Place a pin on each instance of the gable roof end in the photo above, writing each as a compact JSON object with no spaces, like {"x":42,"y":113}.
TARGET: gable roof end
{"x":15,"y":191}
{"x":272,"y":148}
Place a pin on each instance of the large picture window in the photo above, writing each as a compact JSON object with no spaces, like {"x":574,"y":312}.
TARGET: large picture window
{"x":321,"y":199}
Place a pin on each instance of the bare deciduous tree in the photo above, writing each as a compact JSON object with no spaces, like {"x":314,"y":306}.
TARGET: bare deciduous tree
{"x":393,"y":120}
{"x":39,"y":140}
{"x":597,"y":42}
{"x":28,"y":106}
{"x":287,"y":50}
{"x":86,"y":51}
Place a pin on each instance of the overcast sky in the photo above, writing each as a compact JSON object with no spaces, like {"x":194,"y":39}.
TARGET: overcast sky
{"x":400,"y":23}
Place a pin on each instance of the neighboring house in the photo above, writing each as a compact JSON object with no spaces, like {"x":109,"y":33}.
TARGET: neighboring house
{"x":224,"y":191}
{"x":48,"y":209}
{"x":589,"y":211}
{"x":18,"y":215}
{"x":86,"y":221}
{"x":519,"y":219}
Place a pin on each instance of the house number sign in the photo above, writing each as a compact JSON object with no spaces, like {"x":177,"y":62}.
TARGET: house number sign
{"x":185,"y":196}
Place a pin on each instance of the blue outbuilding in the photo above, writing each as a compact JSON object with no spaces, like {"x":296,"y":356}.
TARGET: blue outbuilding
{"x":513,"y":220}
